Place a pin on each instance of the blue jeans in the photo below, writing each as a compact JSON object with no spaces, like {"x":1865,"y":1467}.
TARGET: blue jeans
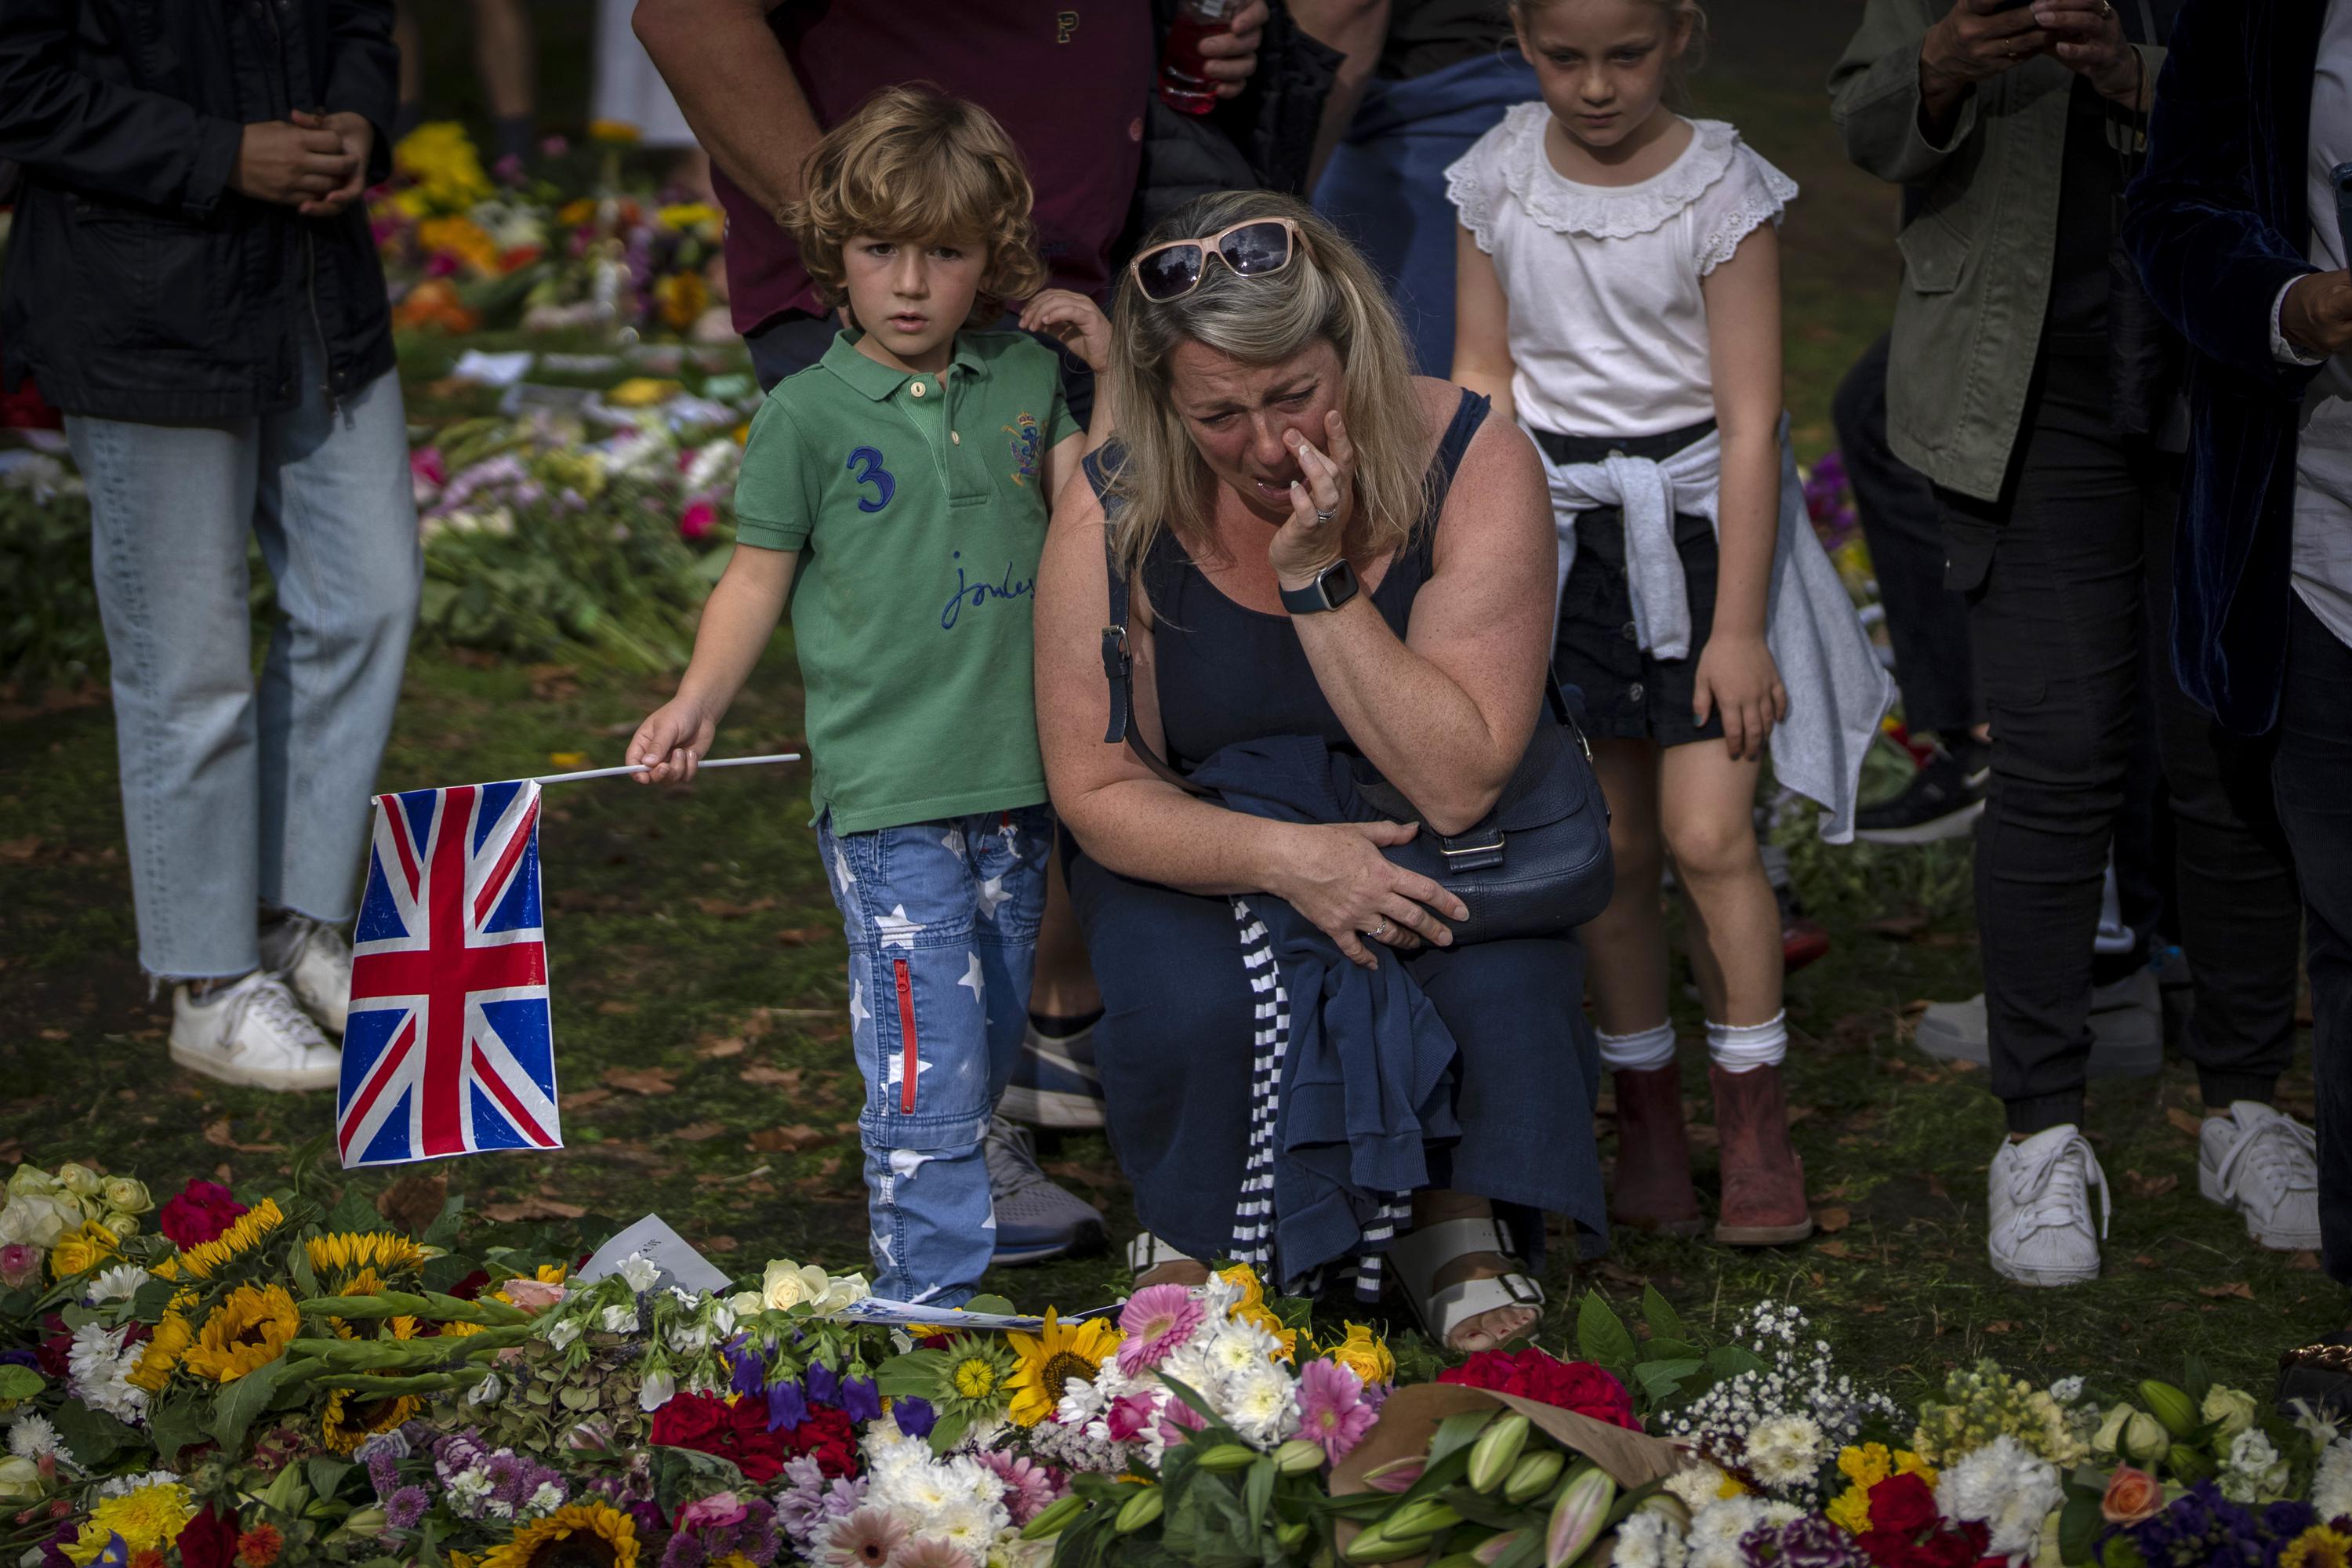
{"x":941,"y":919}
{"x":235,"y":797}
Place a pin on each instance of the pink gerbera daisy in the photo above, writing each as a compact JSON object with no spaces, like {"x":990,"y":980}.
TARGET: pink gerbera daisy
{"x":1030,"y":1488}
{"x":931,"y":1553}
{"x":1158,"y":1319}
{"x":1331,"y":1409}
{"x":1130,"y":1414}
{"x":868,"y":1538}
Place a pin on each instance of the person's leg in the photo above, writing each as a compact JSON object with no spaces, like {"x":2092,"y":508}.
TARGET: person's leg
{"x":1707,"y":813}
{"x":2314,"y":760}
{"x":336,"y":523}
{"x":170,"y":507}
{"x":919,"y":1024}
{"x":502,"y":54}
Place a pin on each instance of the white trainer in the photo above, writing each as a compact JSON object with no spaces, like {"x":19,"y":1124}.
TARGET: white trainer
{"x":2040,"y":1209}
{"x":315,"y":962}
{"x":2265,"y":1165}
{"x":253,"y":1034}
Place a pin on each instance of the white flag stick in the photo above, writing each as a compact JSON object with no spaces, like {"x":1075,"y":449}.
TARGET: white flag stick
{"x":648,"y":767}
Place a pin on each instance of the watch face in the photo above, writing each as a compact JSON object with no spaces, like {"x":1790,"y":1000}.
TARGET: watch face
{"x":1338,"y":583}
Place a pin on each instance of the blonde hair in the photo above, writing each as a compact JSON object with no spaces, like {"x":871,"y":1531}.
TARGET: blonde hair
{"x":1686,"y":14}
{"x":916,"y":166}
{"x":1329,"y":293}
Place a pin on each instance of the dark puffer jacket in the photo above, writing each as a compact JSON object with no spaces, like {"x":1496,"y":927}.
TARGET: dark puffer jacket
{"x":1264,"y":139}
{"x":138,"y":286}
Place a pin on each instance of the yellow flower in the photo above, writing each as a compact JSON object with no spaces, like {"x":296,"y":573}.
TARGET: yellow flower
{"x":1253,"y":1291}
{"x":203,"y":1260}
{"x":349,"y":1254}
{"x":974,"y":1378}
{"x":1045,"y":1361}
{"x":2318,"y":1547}
{"x":440,"y":158}
{"x":83,"y":1250}
{"x":163,"y":1352}
{"x":682,"y":297}
{"x":585,"y":1535}
{"x":348,"y":1421}
{"x":148,"y":1520}
{"x":687,"y":215}
{"x":463,"y":238}
{"x":1850,"y":1510}
{"x":1365,"y":1353}
{"x":619,"y":130}
{"x":245,"y":1333}
{"x":574,"y":212}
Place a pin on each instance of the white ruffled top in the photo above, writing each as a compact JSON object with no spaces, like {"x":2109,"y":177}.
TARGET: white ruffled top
{"x":1607,"y":328}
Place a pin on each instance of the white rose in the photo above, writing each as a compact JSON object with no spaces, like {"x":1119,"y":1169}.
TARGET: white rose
{"x":52,"y":1215}
{"x":843,"y":1290}
{"x":20,"y":1478}
{"x":29,"y":1180}
{"x":79,"y":1180}
{"x":126,"y":1196}
{"x":786,"y":1284}
{"x":16,"y":1223}
{"x":640,"y":1272}
{"x":744,"y":1303}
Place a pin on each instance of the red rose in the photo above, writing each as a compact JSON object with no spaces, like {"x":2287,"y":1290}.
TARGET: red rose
{"x":1903,"y":1505}
{"x":208,"y":1541}
{"x":199,"y":1214}
{"x":56,"y":1351}
{"x":830,"y":1436}
{"x":1530,"y":1373}
{"x":737,"y":1433}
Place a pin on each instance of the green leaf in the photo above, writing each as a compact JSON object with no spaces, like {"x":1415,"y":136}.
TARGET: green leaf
{"x":1660,"y":1379}
{"x":1601,"y":1336}
{"x":174,"y":1424}
{"x":18,"y":1382}
{"x":1455,"y":1433}
{"x":1656,"y":1349}
{"x":151,"y":1300}
{"x":327,"y":1474}
{"x":355,"y":1213}
{"x":92,"y":1436}
{"x":997,"y":1304}
{"x":2078,"y":1524}
{"x":1730,"y":1361}
{"x":2195,"y":1382}
{"x":1659,"y":1314}
{"x":241,"y":1403}
{"x":1257,"y":1492}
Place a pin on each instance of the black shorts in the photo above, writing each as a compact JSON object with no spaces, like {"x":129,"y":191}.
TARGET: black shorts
{"x":1629,"y":693}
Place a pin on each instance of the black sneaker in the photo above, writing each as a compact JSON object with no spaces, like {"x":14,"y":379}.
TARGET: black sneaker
{"x":1943,"y":800}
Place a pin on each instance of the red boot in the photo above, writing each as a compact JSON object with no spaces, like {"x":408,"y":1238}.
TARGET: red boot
{"x":1652,"y":1190}
{"x":1763,"y":1179}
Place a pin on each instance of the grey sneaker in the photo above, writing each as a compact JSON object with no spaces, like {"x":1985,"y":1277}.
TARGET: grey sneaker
{"x":2127,"y":1029}
{"x":315,"y":962}
{"x":1036,"y":1220}
{"x":1055,"y":1084}
{"x":2265,"y":1165}
{"x":251,"y":1033}
{"x":2039,"y":1209}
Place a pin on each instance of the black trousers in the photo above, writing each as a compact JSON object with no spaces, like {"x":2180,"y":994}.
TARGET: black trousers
{"x":2055,"y":573}
{"x":2313,"y":775}
{"x":1903,"y":522}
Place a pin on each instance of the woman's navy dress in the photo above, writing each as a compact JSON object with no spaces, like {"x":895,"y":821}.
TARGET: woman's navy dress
{"x":1192,"y":1011}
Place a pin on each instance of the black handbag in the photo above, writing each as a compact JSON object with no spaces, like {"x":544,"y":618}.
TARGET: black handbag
{"x":1537,"y":866}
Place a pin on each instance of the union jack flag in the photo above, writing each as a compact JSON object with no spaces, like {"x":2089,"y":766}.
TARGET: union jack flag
{"x":448,"y":1050}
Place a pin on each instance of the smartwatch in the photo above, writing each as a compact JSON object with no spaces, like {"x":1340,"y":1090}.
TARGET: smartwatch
{"x":1333,"y":586}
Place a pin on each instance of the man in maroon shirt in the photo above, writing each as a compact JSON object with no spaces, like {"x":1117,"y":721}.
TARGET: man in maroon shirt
{"x":760,"y":81}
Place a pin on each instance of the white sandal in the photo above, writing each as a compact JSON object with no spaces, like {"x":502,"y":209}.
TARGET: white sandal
{"x":1421,"y":1253}
{"x":1147,"y":1252}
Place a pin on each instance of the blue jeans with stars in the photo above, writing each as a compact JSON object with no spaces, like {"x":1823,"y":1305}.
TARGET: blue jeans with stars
{"x":941,"y":919}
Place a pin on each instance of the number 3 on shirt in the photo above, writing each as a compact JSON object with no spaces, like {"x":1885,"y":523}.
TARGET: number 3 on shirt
{"x":867,"y":462}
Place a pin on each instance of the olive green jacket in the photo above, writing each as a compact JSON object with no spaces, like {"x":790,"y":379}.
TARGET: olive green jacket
{"x":1978,"y":249}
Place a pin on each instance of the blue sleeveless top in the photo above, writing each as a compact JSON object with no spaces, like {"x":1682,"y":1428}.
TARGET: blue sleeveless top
{"x":1227,"y":673}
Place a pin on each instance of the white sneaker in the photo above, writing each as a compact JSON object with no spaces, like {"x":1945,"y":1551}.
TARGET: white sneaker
{"x":2264,"y":1164}
{"x":252,"y":1033}
{"x":315,"y":962}
{"x":2040,"y":1209}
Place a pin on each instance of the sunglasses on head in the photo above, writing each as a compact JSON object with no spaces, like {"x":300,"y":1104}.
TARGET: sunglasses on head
{"x":1252,"y":249}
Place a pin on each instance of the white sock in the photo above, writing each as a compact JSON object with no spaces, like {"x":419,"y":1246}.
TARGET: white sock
{"x":1642,"y":1051}
{"x":1743,"y":1047}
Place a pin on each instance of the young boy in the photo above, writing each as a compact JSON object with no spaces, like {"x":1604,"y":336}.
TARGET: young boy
{"x":906,"y":477}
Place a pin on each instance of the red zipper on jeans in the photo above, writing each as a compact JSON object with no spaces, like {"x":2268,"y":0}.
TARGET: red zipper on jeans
{"x":907,"y":1062}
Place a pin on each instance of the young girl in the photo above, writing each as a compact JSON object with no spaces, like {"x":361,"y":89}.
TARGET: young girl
{"x":905,"y":480}
{"x":1619,"y":289}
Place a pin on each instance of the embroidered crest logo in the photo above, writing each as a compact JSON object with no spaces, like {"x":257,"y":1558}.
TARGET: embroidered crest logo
{"x":1022,"y":438}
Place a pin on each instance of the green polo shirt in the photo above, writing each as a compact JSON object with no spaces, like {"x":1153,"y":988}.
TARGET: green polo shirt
{"x":917,"y":502}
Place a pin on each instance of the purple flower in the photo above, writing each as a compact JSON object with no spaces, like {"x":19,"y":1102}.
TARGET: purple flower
{"x":19,"y":1358}
{"x":405,"y":1506}
{"x":860,"y":1400}
{"x":1809,"y":1543}
{"x":509,"y":1476}
{"x":749,"y":1376}
{"x":916,"y":1417}
{"x":384,"y":1474}
{"x":683,"y":1551}
{"x":824,"y":1385}
{"x":807,"y":1504}
{"x":787,"y":1405}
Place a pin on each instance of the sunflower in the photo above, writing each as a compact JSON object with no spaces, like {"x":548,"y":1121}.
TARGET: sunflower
{"x":2321,"y":1546}
{"x":349,"y":1254}
{"x":348,"y":1421}
{"x":1045,"y":1361}
{"x":162,"y":1353}
{"x":584,"y":1535}
{"x":200,"y":1261}
{"x":245,"y":1333}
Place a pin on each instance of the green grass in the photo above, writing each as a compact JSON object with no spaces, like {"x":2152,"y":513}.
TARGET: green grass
{"x":690,"y":932}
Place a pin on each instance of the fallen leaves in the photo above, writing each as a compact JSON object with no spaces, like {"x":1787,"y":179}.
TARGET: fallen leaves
{"x":698,"y":1131}
{"x":616,"y":1009}
{"x":718,"y":1050}
{"x":580,"y":1098}
{"x":641,"y":1080}
{"x":2183,"y":1121}
{"x":1835,"y":1250}
{"x":532,"y":1208}
{"x":728,"y":910}
{"x":218,"y":1135}
{"x":766,"y":1077}
{"x":1829,"y":1221}
{"x":2236,"y":1289}
{"x":1896,"y":928}
{"x":786,"y":1139}
{"x":412,"y":1202}
{"x":2141,"y":1186}
{"x":801,"y":936}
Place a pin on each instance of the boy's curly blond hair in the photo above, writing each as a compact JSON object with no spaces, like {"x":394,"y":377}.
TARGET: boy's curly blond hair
{"x":917,"y":167}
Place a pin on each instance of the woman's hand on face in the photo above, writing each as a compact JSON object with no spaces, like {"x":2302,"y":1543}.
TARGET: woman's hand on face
{"x":672,"y":741}
{"x":2087,"y":37}
{"x":1322,"y":502}
{"x":1074,"y":320}
{"x":1338,"y":877}
{"x":1738,"y":678}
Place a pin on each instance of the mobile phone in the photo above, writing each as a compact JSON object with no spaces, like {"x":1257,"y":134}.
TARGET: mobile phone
{"x":2341,"y":178}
